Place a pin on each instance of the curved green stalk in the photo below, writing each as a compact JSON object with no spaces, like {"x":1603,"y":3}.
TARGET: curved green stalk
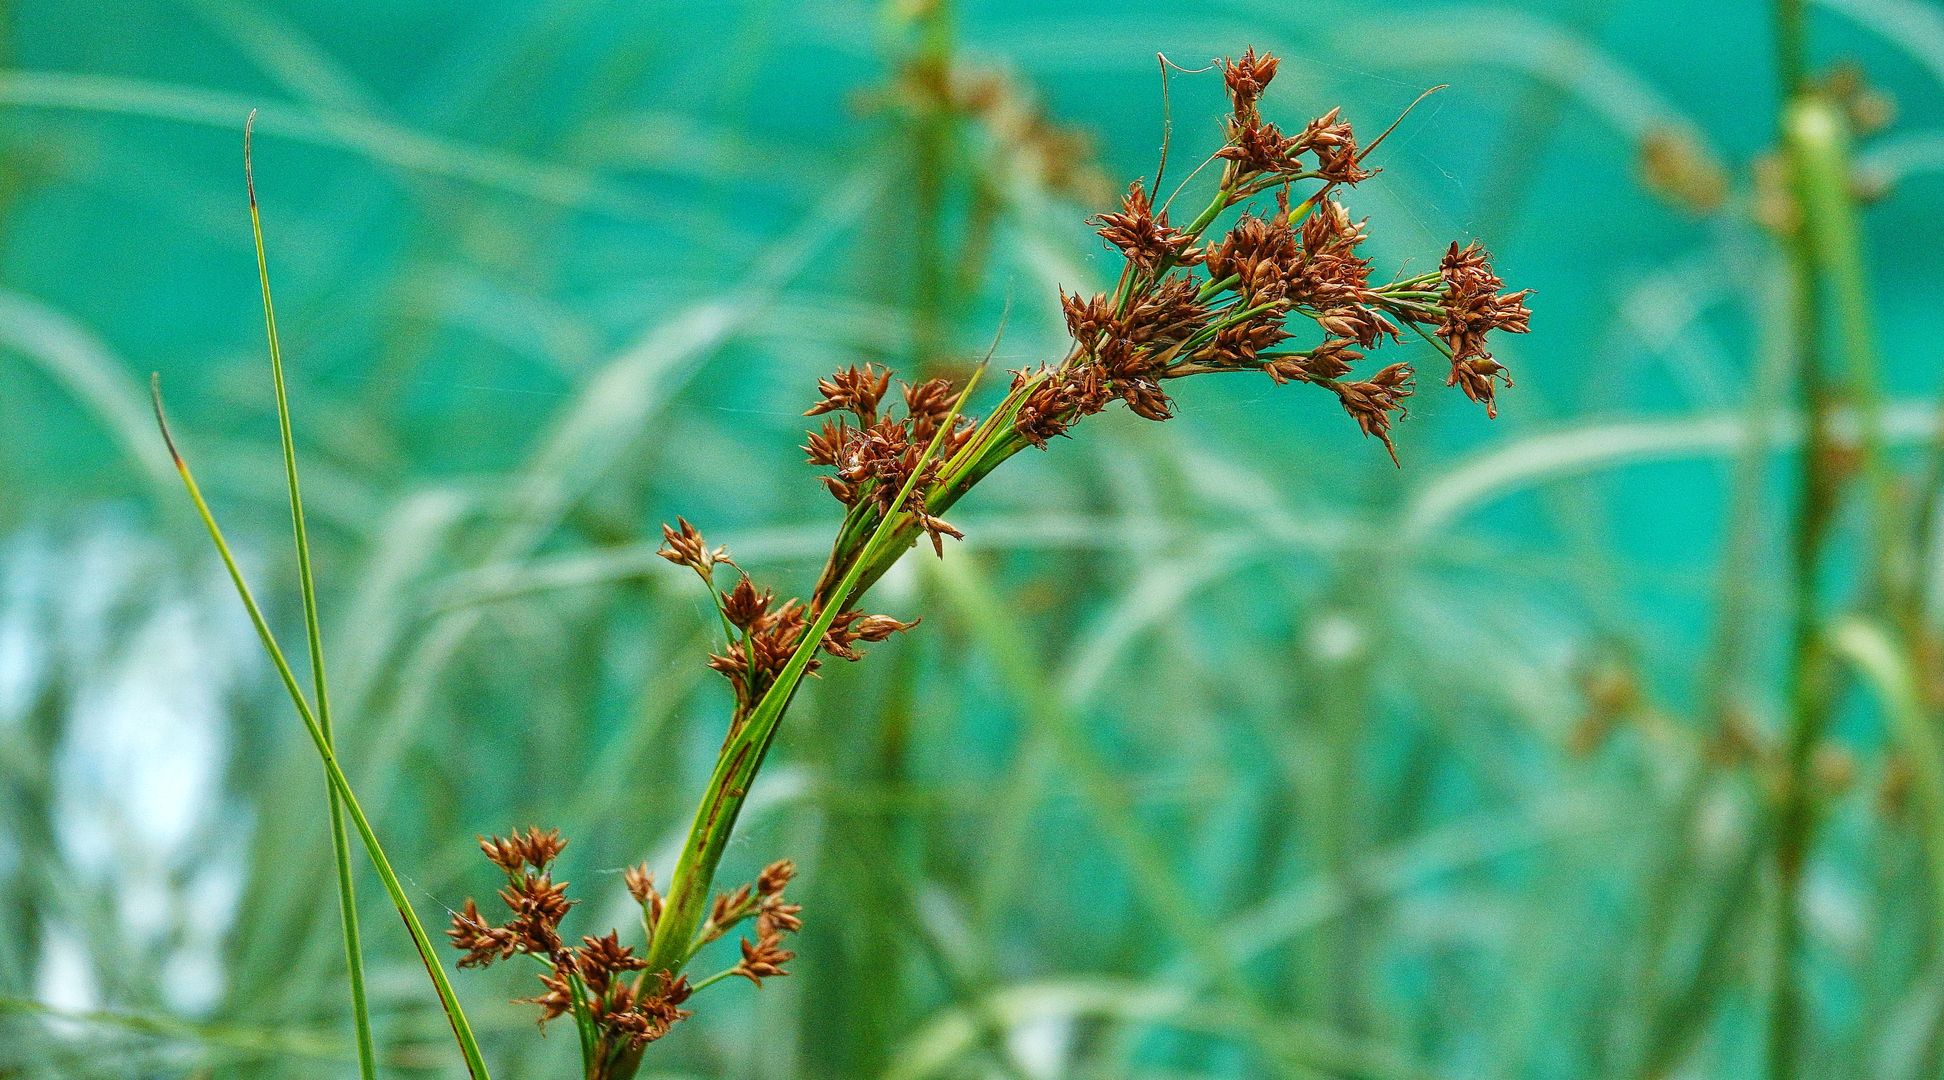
{"x":340,"y":843}
{"x":1872,"y":650}
{"x":461,"y":1030}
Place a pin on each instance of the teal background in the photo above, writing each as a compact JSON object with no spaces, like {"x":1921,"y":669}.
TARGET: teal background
{"x":1247,"y":713}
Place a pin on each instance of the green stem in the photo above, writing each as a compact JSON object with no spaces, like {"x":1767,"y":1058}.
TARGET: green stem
{"x":933,"y":143}
{"x":1811,"y":138}
{"x":340,"y":843}
{"x":455,"y":1015}
{"x":712,"y":980}
{"x":1833,"y":230}
{"x":1792,"y":45}
{"x":1873,"y":650}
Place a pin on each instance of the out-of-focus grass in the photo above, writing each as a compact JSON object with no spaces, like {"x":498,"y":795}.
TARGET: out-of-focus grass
{"x":1254,"y":756}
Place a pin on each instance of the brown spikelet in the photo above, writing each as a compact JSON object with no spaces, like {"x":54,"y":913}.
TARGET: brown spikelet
{"x":683,"y":546}
{"x":1246,"y":78}
{"x":1372,"y":401}
{"x":856,"y":390}
{"x":764,"y":958}
{"x":1474,"y":307}
{"x":1144,"y":237}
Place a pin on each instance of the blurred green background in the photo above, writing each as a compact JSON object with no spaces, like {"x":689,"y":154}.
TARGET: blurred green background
{"x":1223,"y":744}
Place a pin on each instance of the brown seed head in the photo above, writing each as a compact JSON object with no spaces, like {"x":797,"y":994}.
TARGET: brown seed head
{"x":535,"y":849}
{"x":600,"y":960}
{"x":1371,"y":402}
{"x":483,"y":944}
{"x":856,"y":390}
{"x":826,"y":447}
{"x":683,"y":546}
{"x":641,"y":884}
{"x":1247,"y":78}
{"x":930,"y":400}
{"x":1329,"y":139}
{"x":744,"y":605}
{"x":777,"y":875}
{"x":1144,"y":238}
{"x":764,"y":959}
{"x":1474,"y":308}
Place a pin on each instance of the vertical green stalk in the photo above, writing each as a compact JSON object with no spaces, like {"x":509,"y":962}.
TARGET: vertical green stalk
{"x":1833,"y":230}
{"x":933,"y":139}
{"x":1827,"y":271}
{"x":456,"y":1016}
{"x":340,"y":842}
{"x":1809,"y":691}
{"x":1808,"y":701}
{"x":1792,"y":46}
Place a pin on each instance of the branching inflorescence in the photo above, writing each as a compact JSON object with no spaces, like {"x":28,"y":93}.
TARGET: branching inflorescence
{"x":1185,"y":304}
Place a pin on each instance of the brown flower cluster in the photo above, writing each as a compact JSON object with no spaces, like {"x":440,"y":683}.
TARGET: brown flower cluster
{"x":775,"y":918}
{"x":1473,"y":308}
{"x":619,"y":1007}
{"x":763,"y":633}
{"x":1260,"y":151}
{"x":1143,"y":236}
{"x":600,"y":981}
{"x":594,"y":976}
{"x":536,"y":901}
{"x":1182,"y":309}
{"x":876,"y":456}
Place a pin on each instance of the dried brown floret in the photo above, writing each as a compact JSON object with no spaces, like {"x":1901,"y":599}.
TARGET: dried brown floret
{"x":1247,"y":77}
{"x":558,"y":1001}
{"x":777,"y":875}
{"x":1087,"y":317}
{"x":535,"y":849}
{"x":856,"y":390}
{"x":764,"y":958}
{"x":538,"y":903}
{"x":1329,"y":139}
{"x":1259,"y":146}
{"x":1474,"y":308}
{"x":482,"y":943}
{"x":850,"y":627}
{"x":1330,"y":360}
{"x":1260,"y":253}
{"x":600,"y":960}
{"x":826,"y":447}
{"x":1167,"y":314}
{"x":641,"y":886}
{"x":1371,"y":402}
{"x":931,"y":400}
{"x":745,"y":604}
{"x":683,"y":546}
{"x":1144,"y":237}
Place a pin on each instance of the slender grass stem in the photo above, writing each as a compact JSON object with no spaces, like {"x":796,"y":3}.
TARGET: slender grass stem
{"x":1874,"y":650}
{"x":340,"y":842}
{"x":1813,"y":148}
{"x":455,"y":1015}
{"x":1834,"y":233}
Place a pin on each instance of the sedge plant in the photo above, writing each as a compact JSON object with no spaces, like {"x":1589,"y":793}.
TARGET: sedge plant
{"x":1191,"y":299}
